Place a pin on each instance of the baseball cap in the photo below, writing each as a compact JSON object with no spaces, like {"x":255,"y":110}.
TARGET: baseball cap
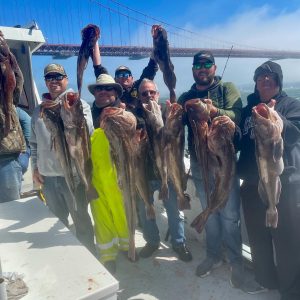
{"x":122,"y":69}
{"x":203,"y":55}
{"x":54,"y":68}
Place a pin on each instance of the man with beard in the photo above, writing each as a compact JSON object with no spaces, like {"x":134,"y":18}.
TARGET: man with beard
{"x":223,"y":226}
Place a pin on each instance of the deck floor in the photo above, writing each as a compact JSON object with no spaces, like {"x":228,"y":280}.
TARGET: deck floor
{"x":164,"y":277}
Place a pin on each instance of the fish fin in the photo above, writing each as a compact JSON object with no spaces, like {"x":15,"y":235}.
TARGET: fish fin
{"x":278,"y":150}
{"x":262,"y":193}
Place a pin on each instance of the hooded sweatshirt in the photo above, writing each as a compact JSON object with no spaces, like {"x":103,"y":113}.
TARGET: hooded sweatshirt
{"x":289,"y":110}
{"x":224,"y":96}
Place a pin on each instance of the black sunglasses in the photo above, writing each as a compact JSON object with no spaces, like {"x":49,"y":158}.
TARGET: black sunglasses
{"x":123,"y":75}
{"x":206,"y":65}
{"x":146,"y":93}
{"x":104,"y":88}
{"x":54,"y":77}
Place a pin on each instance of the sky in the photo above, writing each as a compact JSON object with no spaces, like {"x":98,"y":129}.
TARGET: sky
{"x":250,"y":24}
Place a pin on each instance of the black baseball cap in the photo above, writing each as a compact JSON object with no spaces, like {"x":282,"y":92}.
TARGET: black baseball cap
{"x":203,"y":55}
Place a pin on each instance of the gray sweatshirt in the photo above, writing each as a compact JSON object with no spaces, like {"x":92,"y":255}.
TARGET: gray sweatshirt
{"x":42,"y":156}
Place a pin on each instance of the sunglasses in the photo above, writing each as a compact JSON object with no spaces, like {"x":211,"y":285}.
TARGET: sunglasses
{"x":206,"y":65}
{"x":123,"y":75}
{"x":104,"y":88}
{"x":267,"y":75}
{"x":146,"y":93}
{"x":54,"y":77}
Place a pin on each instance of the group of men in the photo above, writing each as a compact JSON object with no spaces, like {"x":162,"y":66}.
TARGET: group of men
{"x":275,"y":252}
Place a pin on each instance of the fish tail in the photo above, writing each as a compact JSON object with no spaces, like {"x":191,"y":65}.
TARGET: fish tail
{"x":150,"y":212}
{"x":200,"y":221}
{"x":184,"y":202}
{"x":272,"y":217}
{"x":164,"y":192}
{"x":131,"y":250}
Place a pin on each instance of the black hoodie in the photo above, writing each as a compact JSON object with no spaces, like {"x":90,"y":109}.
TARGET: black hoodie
{"x":289,"y":110}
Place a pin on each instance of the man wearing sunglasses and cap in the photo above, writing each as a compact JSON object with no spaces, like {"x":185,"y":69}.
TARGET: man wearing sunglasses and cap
{"x":46,"y":168}
{"x":108,"y":209}
{"x":123,"y":76}
{"x":223,"y":226}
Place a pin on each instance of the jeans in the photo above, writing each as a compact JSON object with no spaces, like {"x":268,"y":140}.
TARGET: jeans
{"x":60,"y":202}
{"x":10,"y":180}
{"x":24,"y":160}
{"x":222,"y":226}
{"x":175,"y":218}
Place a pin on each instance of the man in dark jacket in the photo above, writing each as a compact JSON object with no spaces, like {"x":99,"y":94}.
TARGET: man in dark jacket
{"x":123,"y":76}
{"x":223,"y":225}
{"x":281,"y":244}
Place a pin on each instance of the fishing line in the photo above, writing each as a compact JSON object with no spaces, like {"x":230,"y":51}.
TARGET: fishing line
{"x":227,"y":61}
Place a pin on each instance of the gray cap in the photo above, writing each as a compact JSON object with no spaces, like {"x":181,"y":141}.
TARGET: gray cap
{"x":54,"y":68}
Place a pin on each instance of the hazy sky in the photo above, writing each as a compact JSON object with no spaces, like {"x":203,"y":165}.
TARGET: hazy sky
{"x":248,"y":24}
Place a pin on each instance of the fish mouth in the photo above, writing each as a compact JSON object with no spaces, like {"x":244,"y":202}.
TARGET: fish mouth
{"x":155,"y":29}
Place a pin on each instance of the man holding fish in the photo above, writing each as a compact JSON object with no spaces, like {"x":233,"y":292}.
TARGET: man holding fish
{"x":269,"y":165}
{"x":209,"y":98}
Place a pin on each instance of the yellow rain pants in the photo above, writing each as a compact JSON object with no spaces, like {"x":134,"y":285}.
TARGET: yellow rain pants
{"x":108,"y":211}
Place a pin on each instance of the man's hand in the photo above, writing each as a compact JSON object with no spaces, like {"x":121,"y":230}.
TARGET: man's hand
{"x":213,"y":111}
{"x":37,"y":177}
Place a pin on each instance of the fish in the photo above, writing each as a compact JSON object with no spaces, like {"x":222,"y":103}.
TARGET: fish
{"x":50,"y":113}
{"x":119,"y":126}
{"x":90,"y":34}
{"x":174,"y":152}
{"x":198,"y":114}
{"x":222,"y":162}
{"x":8,"y":84}
{"x":141,"y":176}
{"x":77,"y":136}
{"x":155,"y":130}
{"x":269,"y":151}
{"x":161,"y":55}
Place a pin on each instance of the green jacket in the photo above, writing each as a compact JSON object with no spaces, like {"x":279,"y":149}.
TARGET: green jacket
{"x":224,"y":95}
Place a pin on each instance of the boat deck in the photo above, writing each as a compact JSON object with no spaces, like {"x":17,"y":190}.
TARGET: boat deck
{"x":164,"y":277}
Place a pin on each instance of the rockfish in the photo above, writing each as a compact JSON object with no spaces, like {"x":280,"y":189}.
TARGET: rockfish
{"x":155,"y":128}
{"x":162,"y":57}
{"x":120,"y":128}
{"x":77,"y":136}
{"x":174,"y":151}
{"x":222,"y":164}
{"x":198,"y":115}
{"x":269,"y":150}
{"x":50,"y":112}
{"x":141,"y":176}
{"x":90,"y":35}
{"x":11,"y":84}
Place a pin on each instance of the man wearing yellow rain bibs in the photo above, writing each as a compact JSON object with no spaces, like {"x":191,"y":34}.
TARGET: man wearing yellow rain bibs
{"x":108,"y":209}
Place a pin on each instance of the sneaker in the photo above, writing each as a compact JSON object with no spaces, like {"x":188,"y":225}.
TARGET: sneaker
{"x":253,"y":287}
{"x":183,"y":252}
{"x":148,"y":250}
{"x":237,"y":275}
{"x":207,"y":265}
{"x":111,"y":266}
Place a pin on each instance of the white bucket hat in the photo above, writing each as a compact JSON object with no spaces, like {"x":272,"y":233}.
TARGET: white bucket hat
{"x":106,"y":80}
